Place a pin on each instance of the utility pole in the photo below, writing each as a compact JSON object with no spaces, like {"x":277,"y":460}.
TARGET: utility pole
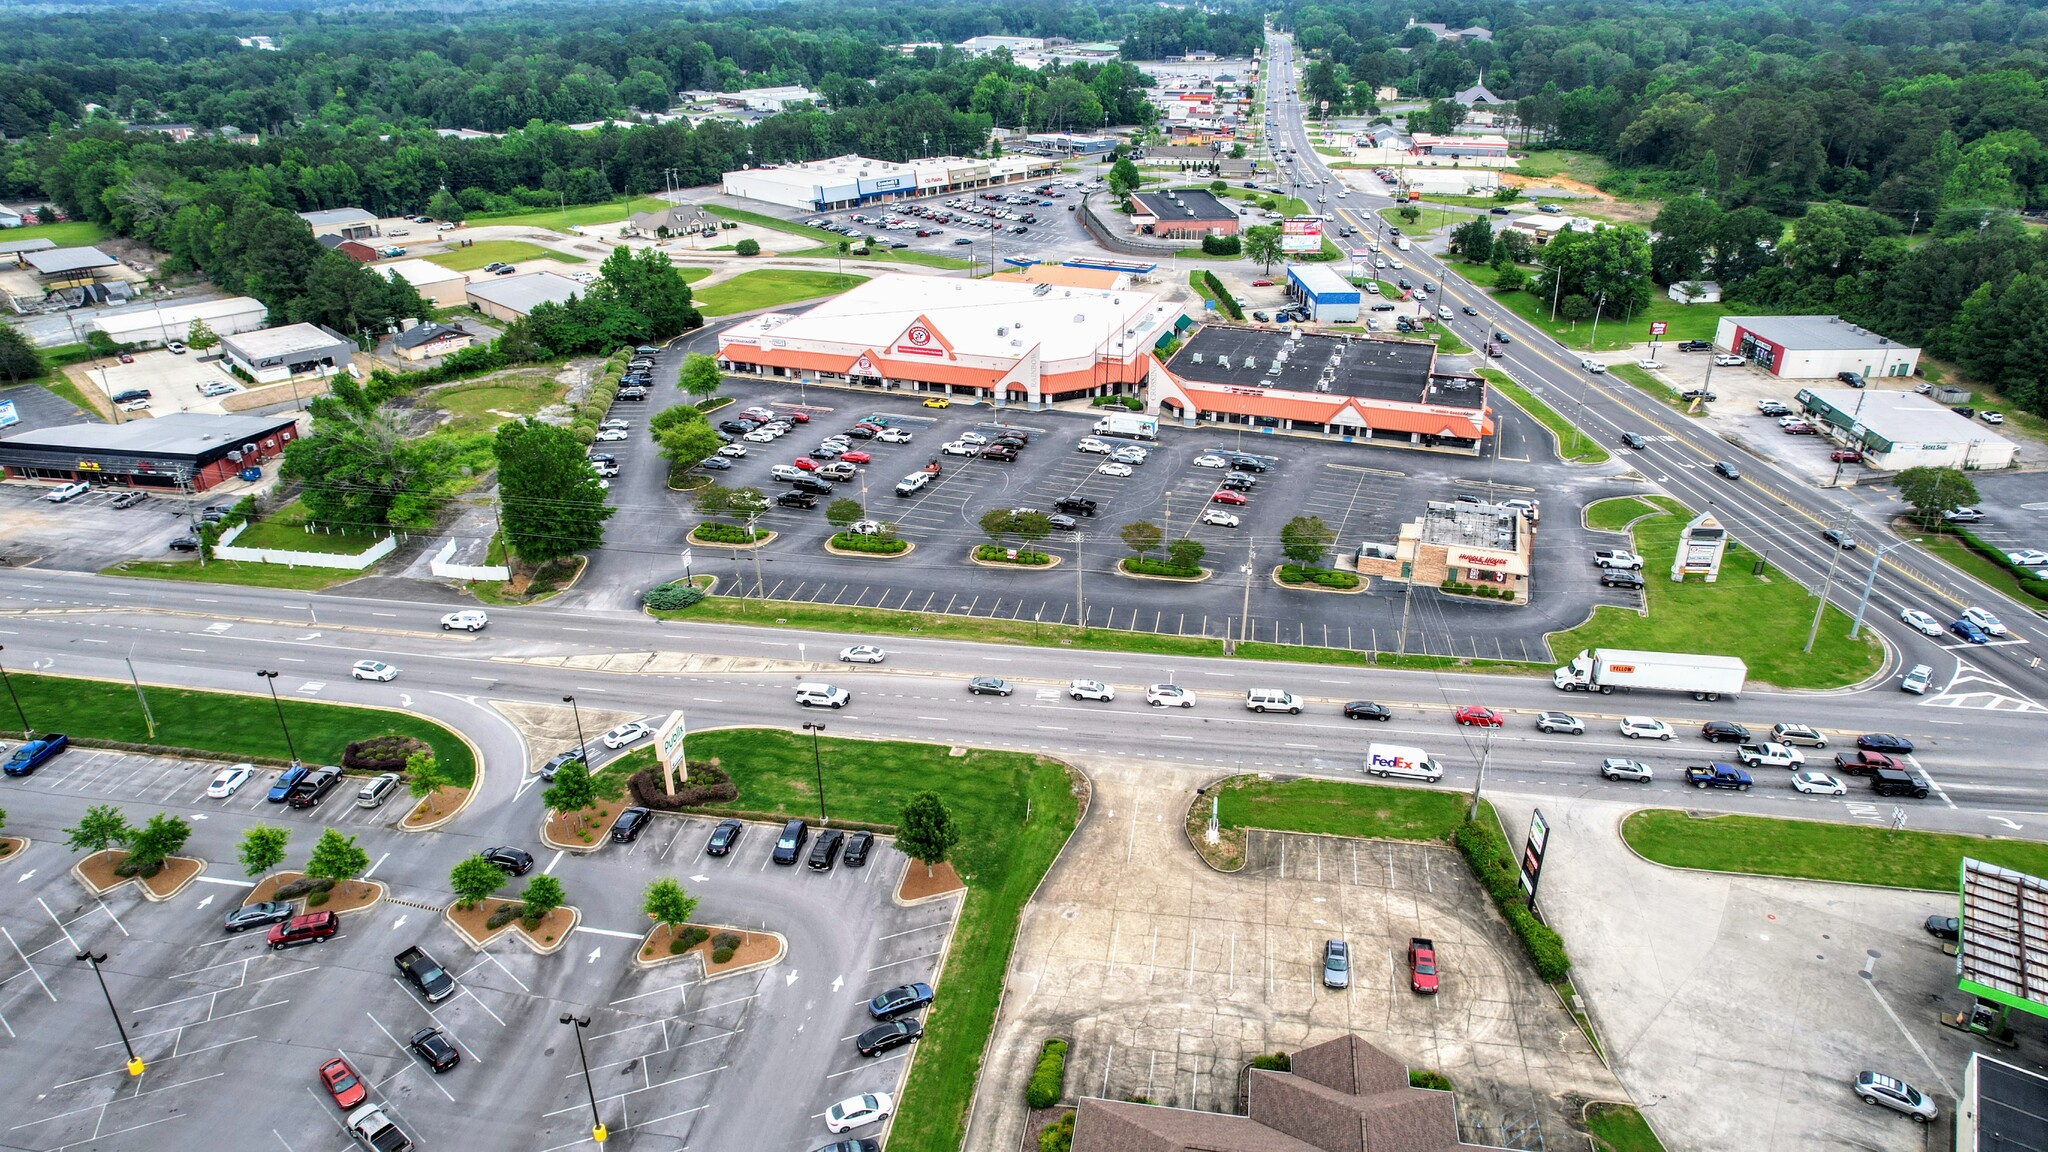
{"x":1080,"y":600}
{"x":1244,"y":623}
{"x":1827,"y":589}
{"x":1485,"y":754}
{"x":1869,"y":579}
{"x":1407,"y":600}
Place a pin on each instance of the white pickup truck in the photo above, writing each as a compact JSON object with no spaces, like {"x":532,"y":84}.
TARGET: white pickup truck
{"x":1618,"y":558}
{"x":1770,"y":755}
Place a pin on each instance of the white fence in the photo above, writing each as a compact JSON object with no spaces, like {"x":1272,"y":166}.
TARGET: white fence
{"x":440,"y":567}
{"x":292,"y":559}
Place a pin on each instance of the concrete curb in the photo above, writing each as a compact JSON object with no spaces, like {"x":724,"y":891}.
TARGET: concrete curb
{"x":895,"y":893}
{"x":149,"y":894}
{"x":766,"y":539}
{"x":910,"y":546}
{"x":1052,"y":563}
{"x":1129,"y":575}
{"x":579,"y":849}
{"x":476,"y":785}
{"x":1364,"y":582}
{"x":534,"y":946}
{"x":20,"y":847}
{"x":300,"y":901}
{"x":1623,"y":837}
{"x":704,"y":967}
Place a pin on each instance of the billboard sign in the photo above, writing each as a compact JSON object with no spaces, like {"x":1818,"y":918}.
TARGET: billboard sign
{"x":1301,"y":234}
{"x":1532,"y":853}
{"x":1657,"y":327}
{"x":8,"y":415}
{"x":668,"y":748}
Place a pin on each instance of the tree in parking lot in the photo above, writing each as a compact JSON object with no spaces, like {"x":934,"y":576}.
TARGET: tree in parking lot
{"x":1262,"y":243}
{"x":700,"y":376}
{"x":842,"y":512}
{"x":925,"y":832}
{"x":336,"y":857}
{"x":424,"y":777}
{"x":1306,"y":539}
{"x":102,"y":827}
{"x":263,"y":848}
{"x":572,"y":791}
{"x":155,"y":842}
{"x":667,"y":904}
{"x":1932,"y":491}
{"x":1141,"y":536}
{"x":543,"y":894}
{"x":474,"y":879}
{"x":998,"y":523}
{"x":199,"y":337}
{"x":1031,"y":527}
{"x":1186,"y":553}
{"x":548,"y":498}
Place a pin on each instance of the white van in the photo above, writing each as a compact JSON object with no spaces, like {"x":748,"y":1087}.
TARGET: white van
{"x":377,"y":790}
{"x":1402,"y":761}
{"x":1916,"y":680}
{"x":820,"y":695}
{"x":1272,"y":700}
{"x":911,"y":483}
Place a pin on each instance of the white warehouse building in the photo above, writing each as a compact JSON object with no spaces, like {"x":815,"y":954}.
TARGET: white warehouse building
{"x":850,"y":181}
{"x":164,"y":323}
{"x":1813,"y":347}
{"x":1899,"y":430}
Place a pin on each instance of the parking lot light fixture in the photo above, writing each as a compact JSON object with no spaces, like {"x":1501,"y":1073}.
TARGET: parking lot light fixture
{"x":26,"y":731}
{"x":597,"y":1132}
{"x":270,"y":679}
{"x":817,"y":765}
{"x":582,"y":745}
{"x":135,"y":1064}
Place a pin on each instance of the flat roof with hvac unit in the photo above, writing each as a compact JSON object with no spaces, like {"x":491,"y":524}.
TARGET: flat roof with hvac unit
{"x":177,"y":449}
{"x":1811,"y":333}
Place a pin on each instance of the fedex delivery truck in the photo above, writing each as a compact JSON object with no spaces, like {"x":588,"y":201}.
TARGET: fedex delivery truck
{"x":1402,"y":761}
{"x":1129,"y":427}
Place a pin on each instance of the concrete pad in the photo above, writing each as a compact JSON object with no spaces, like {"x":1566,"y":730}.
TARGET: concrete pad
{"x":1707,"y":989}
{"x":1168,"y":977}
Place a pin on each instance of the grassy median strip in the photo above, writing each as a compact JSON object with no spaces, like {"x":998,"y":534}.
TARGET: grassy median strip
{"x":575,"y":215}
{"x":1813,"y":850}
{"x":1761,"y":618}
{"x":221,"y":722}
{"x":1620,"y":1128}
{"x":1014,"y":813}
{"x":1573,"y":446}
{"x":814,"y":235}
{"x":233,"y":572}
{"x":1618,"y":512}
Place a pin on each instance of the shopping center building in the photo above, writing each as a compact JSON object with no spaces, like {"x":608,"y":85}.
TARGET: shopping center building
{"x":851,"y":181}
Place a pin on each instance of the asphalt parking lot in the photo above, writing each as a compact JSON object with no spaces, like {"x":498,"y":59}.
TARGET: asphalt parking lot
{"x":87,"y":533}
{"x":214,"y":1016}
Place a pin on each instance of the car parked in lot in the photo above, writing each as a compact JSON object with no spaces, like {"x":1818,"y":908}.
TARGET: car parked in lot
{"x":630,"y":824}
{"x":311,"y":928}
{"x":226,"y":781}
{"x":1422,"y":976}
{"x":858,"y":845}
{"x":883,"y":1037}
{"x":512,"y":861}
{"x":1944,"y":927}
{"x":903,"y":998}
{"x":859,"y":1111}
{"x":1890,"y":1092}
{"x":1474,"y":715}
{"x":1226,"y":496}
{"x":434,"y":1047}
{"x":724,"y":837}
{"x":261,"y":914}
{"x":1336,"y":964}
{"x":342,"y":1083}
{"x":825,"y":852}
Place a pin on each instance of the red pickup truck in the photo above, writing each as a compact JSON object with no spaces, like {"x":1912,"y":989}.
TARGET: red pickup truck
{"x":1863,"y":763}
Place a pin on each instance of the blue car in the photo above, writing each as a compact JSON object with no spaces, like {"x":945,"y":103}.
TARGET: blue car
{"x":283,"y":788}
{"x":35,"y":754}
{"x":1968,"y":630}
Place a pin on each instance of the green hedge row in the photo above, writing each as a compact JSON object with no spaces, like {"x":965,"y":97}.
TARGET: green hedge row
{"x":1328,"y":578}
{"x":668,"y":597}
{"x":1486,"y":851}
{"x":999,"y":554}
{"x":1224,"y":299}
{"x":879,"y":545}
{"x":712,"y":533}
{"x":1049,"y":1079}
{"x":1145,"y":566}
{"x":1483,"y":591}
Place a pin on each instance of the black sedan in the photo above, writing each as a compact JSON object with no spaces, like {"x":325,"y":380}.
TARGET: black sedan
{"x":1884,"y":742}
{"x":259,"y":915}
{"x":1634,"y":440}
{"x":430,"y":1045}
{"x":990,"y":686}
{"x":1367,"y":710}
{"x":629,"y":824}
{"x":1944,"y":927}
{"x":883,"y":1037}
{"x":559,"y":761}
{"x":900,"y":999}
{"x":724,"y":837}
{"x":858,"y":846}
{"x":1724,"y":731}
{"x":515,"y":861}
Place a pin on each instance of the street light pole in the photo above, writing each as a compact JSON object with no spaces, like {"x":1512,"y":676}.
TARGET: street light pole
{"x":1869,"y":579}
{"x":135,"y":1065}
{"x":26,"y":731}
{"x":582,"y":745}
{"x":597,"y":1132}
{"x":270,"y":680}
{"x":818,"y":765}
{"x":1826,"y":590}
{"x":1485,"y":754}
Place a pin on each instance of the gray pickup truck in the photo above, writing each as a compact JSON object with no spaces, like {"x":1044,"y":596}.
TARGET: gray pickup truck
{"x":374,"y":1130}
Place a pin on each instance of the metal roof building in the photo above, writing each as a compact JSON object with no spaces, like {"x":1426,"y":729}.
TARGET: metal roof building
{"x":193,"y":450}
{"x":1900,"y":430}
{"x":1329,"y":297}
{"x":348,"y":223}
{"x":508,"y":298}
{"x":167,"y":322}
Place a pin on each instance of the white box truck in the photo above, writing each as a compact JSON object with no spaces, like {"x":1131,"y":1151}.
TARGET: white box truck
{"x":1402,"y":761}
{"x":1128,"y":426}
{"x":1604,"y":670}
{"x":1402,"y":244}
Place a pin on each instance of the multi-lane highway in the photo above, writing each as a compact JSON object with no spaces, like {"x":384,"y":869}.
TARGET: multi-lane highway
{"x":1777,"y":514}
{"x":178,"y":634}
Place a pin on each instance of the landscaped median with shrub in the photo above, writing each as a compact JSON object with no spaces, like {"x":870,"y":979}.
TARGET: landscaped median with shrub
{"x":998,"y":554}
{"x":877,"y":545}
{"x":1049,"y":1078}
{"x":1482,"y":591}
{"x":711,"y":533}
{"x":1342,"y":808}
{"x":1146,"y":566}
{"x":1321,"y":577}
{"x":224,"y":724}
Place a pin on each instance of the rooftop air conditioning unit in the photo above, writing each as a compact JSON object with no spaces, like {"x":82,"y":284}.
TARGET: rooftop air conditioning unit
{"x":1223,"y":361}
{"x":1002,"y":331}
{"x":1197,"y":357}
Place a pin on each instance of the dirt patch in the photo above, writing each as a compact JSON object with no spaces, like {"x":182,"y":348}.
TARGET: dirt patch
{"x":9,"y":845}
{"x":583,"y":826}
{"x":921,"y":883}
{"x":177,"y":872}
{"x":543,"y":937}
{"x":352,"y":896}
{"x":754,"y":948}
{"x":1633,"y":211}
{"x":442,"y":802}
{"x":98,"y":871}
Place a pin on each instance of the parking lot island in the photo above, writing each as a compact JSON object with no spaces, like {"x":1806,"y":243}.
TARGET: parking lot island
{"x":100,"y":874}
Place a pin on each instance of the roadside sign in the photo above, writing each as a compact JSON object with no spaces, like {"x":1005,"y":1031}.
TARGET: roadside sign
{"x":1657,"y":327}
{"x":668,"y":748}
{"x":8,"y":415}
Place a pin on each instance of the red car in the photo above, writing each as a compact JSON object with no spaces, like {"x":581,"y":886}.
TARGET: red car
{"x":1262,"y":283}
{"x":1479,"y":717}
{"x":1422,"y":965}
{"x":1228,"y":497}
{"x":855,"y":457}
{"x":797,"y":417}
{"x":805,"y":463}
{"x":1845,"y":456}
{"x":342,"y":1083}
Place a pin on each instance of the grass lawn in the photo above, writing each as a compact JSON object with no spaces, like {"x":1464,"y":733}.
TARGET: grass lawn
{"x":1687,"y":321}
{"x":482,"y":407}
{"x":767,"y":287}
{"x":1620,"y":1128}
{"x":285,"y":530}
{"x":223,"y":722}
{"x":68,"y":234}
{"x":1762,"y":619}
{"x":1817,"y":850}
{"x":1573,"y":445}
{"x":1617,"y":512}
{"x":1447,"y":343}
{"x":1584,"y":167}
{"x":814,"y":235}
{"x":556,"y":219}
{"x":1427,"y":220}
{"x":498,"y":252}
{"x":1014,"y":813}
{"x":233,"y":572}
{"x":1338,"y":808}
{"x":1651,"y":386}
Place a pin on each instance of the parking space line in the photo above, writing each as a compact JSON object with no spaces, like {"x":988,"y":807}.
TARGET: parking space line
{"x":26,"y":964}
{"x":652,"y":992}
{"x":863,"y":1067}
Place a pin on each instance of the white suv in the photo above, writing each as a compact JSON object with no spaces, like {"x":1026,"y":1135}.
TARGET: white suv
{"x":1099,"y":447}
{"x":1639,"y":727}
{"x":1090,"y":690}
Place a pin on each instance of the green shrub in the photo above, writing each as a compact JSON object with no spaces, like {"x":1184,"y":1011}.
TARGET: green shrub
{"x":721,"y":955}
{"x":1048,"y":1080}
{"x":1146,"y":566}
{"x":879,"y":545}
{"x":711,"y":533}
{"x":1224,"y":299}
{"x":2024,"y":577}
{"x":667,"y":597}
{"x":708,"y":784}
{"x":1276,"y":1062}
{"x":1486,"y":851}
{"x":1057,"y":1136}
{"x":691,"y":937}
{"x":504,"y":914}
{"x":382,"y":754}
{"x":316,"y":899}
{"x":1221,"y":245}
{"x":676,"y":947}
{"x":1326,"y":577}
{"x":726,"y":940}
{"x":996,"y":553}
{"x":1424,"y":1078}
{"x":303,"y":886}
{"x":747,"y":248}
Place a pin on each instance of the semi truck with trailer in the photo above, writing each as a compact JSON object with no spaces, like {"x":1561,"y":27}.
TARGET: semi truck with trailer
{"x":1606,"y":670}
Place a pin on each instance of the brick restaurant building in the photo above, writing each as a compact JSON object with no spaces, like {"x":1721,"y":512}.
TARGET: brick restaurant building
{"x":177,"y":451}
